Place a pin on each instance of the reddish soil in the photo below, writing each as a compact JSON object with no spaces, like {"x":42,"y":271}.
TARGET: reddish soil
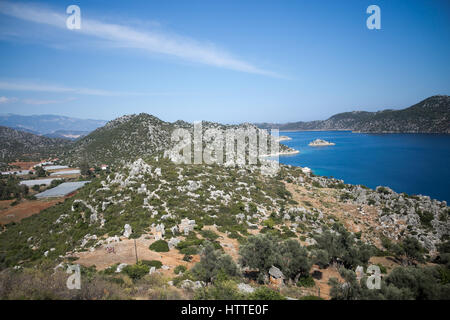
{"x":24,"y":209}
{"x":124,"y":252}
{"x":24,"y":165}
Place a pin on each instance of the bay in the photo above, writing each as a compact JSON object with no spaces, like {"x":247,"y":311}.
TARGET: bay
{"x":410,"y":163}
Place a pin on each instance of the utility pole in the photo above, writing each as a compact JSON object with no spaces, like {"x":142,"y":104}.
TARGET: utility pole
{"x":135,"y":250}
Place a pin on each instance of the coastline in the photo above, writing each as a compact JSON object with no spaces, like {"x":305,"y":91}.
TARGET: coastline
{"x":283,"y":138}
{"x":365,"y":132}
{"x":285,"y":153}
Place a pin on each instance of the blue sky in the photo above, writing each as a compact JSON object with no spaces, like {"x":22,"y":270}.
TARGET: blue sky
{"x":226,"y":61}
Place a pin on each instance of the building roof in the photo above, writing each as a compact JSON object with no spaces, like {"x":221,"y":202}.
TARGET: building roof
{"x":62,"y":190}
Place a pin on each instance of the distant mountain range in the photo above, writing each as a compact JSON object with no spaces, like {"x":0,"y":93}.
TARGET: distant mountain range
{"x":431,"y":115}
{"x":52,"y":126}
{"x":15,"y":144}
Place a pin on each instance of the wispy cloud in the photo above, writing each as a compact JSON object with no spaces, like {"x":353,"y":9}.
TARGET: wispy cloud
{"x":36,"y":87}
{"x":44,"y":102}
{"x":4,"y":99}
{"x":124,"y":36}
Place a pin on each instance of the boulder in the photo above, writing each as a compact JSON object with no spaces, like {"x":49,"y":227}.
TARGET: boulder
{"x":120,"y":267}
{"x":245,"y":288}
{"x":189,"y":284}
{"x":173,"y":242}
{"x":127,"y":231}
{"x":276,"y":273}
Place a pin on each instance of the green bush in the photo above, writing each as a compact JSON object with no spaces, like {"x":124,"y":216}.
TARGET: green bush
{"x":222,"y":290}
{"x":209,"y":234}
{"x":180,"y":269}
{"x":159,"y":246}
{"x":260,"y":252}
{"x":152,"y":263}
{"x":212,"y":263}
{"x":306,"y":282}
{"x":341,"y":246}
{"x":294,"y":259}
{"x":136,"y":271}
{"x":265,"y":293}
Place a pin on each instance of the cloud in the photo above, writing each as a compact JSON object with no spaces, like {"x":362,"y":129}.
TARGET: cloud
{"x":43,"y":102}
{"x":4,"y":99}
{"x":124,"y":36}
{"x":35,"y":87}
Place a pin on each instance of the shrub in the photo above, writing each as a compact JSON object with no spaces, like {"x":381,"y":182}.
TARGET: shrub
{"x":180,"y":269}
{"x":159,"y":246}
{"x":341,"y":246}
{"x":209,"y":234}
{"x":212,"y":263}
{"x":136,"y":271}
{"x":152,"y":263}
{"x":306,"y":282}
{"x":36,"y":284}
{"x":294,"y":259}
{"x":265,"y":293}
{"x":321,"y":258}
{"x":260,"y":252}
{"x":425,"y":218}
{"x":221,"y":290}
{"x":269,"y":223}
{"x":185,"y":276}
{"x":409,"y":250}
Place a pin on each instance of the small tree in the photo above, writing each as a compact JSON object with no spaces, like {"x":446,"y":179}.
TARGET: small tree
{"x":159,"y":246}
{"x":260,"y":252}
{"x":294,"y":262}
{"x":213,"y":263}
{"x":40,"y":172}
{"x":85,"y":169}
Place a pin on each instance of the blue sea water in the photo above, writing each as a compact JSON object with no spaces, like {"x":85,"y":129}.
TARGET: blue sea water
{"x":411,"y":163}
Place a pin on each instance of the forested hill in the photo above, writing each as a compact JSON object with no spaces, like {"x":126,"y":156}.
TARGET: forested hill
{"x":15,"y":144}
{"x":431,"y":115}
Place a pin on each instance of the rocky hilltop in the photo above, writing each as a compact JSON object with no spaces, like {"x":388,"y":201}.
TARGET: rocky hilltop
{"x":133,"y":136}
{"x":431,"y":115}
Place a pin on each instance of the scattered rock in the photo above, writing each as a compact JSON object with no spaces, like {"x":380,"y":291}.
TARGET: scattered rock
{"x":127,"y":232}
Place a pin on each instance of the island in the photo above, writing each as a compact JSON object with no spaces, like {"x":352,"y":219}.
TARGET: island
{"x":284,"y":138}
{"x":320,"y":143}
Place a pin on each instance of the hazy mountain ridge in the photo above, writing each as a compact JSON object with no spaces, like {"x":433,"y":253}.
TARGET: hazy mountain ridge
{"x":49,"y":124}
{"x":15,"y":144}
{"x":67,"y":134}
{"x":431,"y":115}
